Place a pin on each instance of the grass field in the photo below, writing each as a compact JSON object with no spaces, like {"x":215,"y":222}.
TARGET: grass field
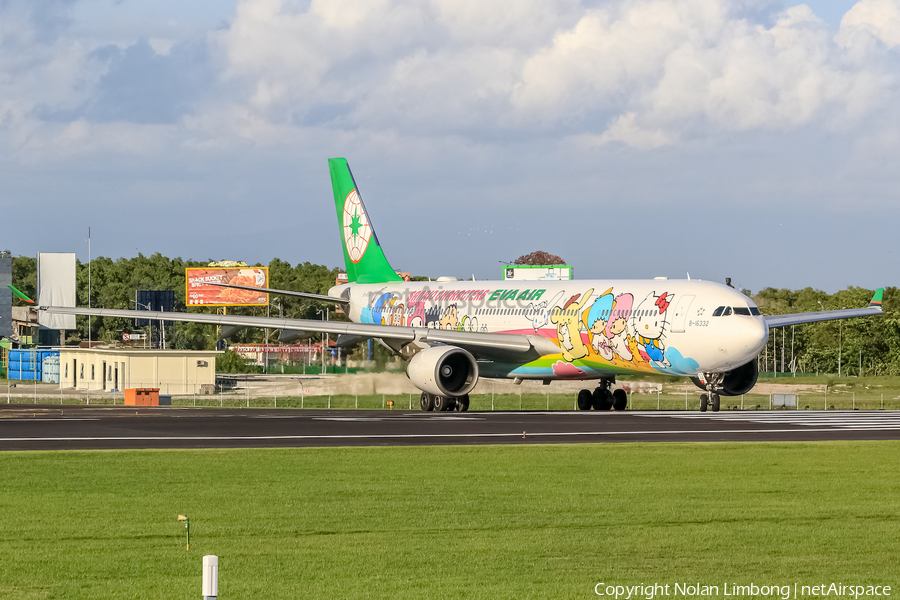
{"x":547,"y":521}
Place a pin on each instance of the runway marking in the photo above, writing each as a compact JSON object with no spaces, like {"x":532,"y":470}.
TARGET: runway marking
{"x":419,"y":435}
{"x":838,"y":420}
{"x":413,"y":418}
{"x":44,"y":420}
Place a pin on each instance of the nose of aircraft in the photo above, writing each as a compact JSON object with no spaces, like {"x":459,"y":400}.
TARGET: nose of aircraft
{"x":754,"y":335}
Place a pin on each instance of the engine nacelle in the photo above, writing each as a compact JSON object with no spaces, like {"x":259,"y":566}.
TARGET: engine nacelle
{"x":291,"y":335}
{"x":443,"y":371}
{"x":737,"y":381}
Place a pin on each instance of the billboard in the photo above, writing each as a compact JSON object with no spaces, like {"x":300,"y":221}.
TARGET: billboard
{"x":154,"y":300}
{"x":56,"y":287}
{"x":200,"y":292}
{"x":537,"y":272}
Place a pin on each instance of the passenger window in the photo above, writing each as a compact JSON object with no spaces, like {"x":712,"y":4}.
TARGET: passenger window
{"x":718,"y":311}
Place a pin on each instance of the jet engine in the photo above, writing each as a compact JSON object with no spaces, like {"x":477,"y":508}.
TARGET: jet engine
{"x":290,"y":335}
{"x":735,"y":382}
{"x":443,"y":371}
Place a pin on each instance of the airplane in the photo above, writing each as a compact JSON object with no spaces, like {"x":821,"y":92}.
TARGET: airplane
{"x":452,"y":333}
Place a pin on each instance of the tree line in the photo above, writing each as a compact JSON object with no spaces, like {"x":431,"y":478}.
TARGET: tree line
{"x":114,"y":282}
{"x":872,"y":342}
{"x":817,"y":347}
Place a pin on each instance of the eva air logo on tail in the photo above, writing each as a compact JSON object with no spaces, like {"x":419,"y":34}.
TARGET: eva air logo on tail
{"x":356,"y":227}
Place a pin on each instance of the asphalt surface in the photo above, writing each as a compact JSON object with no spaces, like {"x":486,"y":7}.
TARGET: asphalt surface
{"x":24,"y":427}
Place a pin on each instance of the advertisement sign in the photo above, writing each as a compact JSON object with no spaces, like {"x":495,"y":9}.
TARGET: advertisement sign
{"x":537,"y":272}
{"x":154,"y":300}
{"x":199,"y":292}
{"x":56,"y":287}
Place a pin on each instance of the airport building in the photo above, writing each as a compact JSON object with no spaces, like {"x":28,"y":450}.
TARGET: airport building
{"x":172,"y":371}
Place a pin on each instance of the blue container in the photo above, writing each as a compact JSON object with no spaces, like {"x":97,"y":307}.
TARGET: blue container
{"x":27,"y":365}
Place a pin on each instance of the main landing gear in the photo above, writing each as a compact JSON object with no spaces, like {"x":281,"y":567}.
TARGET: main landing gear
{"x":602,"y":398}
{"x":430,"y":402}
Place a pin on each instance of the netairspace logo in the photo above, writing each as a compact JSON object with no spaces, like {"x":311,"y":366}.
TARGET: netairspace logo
{"x":734,"y":590}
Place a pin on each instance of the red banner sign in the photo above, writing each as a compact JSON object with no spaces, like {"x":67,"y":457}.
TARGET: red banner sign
{"x":200,"y":291}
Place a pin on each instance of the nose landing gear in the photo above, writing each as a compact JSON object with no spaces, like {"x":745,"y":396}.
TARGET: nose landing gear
{"x":713,"y":387}
{"x":709,"y":400}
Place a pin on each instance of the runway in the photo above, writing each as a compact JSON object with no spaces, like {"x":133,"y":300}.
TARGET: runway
{"x":85,"y":427}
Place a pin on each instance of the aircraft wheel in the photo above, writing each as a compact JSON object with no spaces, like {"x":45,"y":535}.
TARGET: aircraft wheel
{"x":442,"y":403}
{"x":715,"y":402}
{"x":601,"y":399}
{"x":584,"y":400}
{"x":462,"y":403}
{"x":704,"y":402}
{"x":620,"y":400}
{"x":426,"y":401}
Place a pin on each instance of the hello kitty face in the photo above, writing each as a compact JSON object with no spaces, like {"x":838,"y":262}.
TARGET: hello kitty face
{"x":539,"y":313}
{"x":648,"y":320}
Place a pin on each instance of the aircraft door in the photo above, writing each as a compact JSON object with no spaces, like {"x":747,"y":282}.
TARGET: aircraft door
{"x":681,"y":310}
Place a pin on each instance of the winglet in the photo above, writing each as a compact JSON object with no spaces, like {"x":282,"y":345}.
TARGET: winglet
{"x":21,"y":295}
{"x":875,"y":302}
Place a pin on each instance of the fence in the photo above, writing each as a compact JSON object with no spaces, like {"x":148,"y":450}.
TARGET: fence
{"x":290,"y":393}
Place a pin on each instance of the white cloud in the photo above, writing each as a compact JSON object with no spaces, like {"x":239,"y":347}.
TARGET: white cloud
{"x":624,"y":129}
{"x":691,"y":66}
{"x":877,"y":18}
{"x":643,"y":72}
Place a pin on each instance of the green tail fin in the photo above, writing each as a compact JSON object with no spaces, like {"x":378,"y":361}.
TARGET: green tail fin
{"x":876,"y":299}
{"x":363,"y":256}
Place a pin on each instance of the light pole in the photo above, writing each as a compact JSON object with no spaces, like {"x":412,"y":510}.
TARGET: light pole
{"x":266,"y":353}
{"x":840,"y":341}
{"x":324,"y":314}
{"x":147,"y":308}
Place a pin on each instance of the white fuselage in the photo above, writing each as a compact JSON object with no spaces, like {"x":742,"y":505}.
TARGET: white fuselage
{"x":601,"y":327}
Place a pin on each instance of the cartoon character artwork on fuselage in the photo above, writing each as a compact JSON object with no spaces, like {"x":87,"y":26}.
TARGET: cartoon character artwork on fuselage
{"x":626,"y":327}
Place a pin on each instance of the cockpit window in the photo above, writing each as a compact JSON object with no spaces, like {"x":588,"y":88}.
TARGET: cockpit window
{"x":718,"y":311}
{"x":742,"y":310}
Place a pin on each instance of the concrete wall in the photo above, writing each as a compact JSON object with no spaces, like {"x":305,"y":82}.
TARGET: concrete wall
{"x":172,"y":371}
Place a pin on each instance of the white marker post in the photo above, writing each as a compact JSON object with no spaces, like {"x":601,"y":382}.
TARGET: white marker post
{"x":210,"y":577}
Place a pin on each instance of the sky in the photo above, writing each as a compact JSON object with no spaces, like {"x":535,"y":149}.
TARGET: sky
{"x":751,"y":139}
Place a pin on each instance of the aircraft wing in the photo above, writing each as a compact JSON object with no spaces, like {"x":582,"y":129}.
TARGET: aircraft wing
{"x":874,"y":308}
{"x":481,"y":345}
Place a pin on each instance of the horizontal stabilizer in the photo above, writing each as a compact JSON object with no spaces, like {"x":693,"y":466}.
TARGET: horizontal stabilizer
{"x":284,"y":292}
{"x":20,"y":295}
